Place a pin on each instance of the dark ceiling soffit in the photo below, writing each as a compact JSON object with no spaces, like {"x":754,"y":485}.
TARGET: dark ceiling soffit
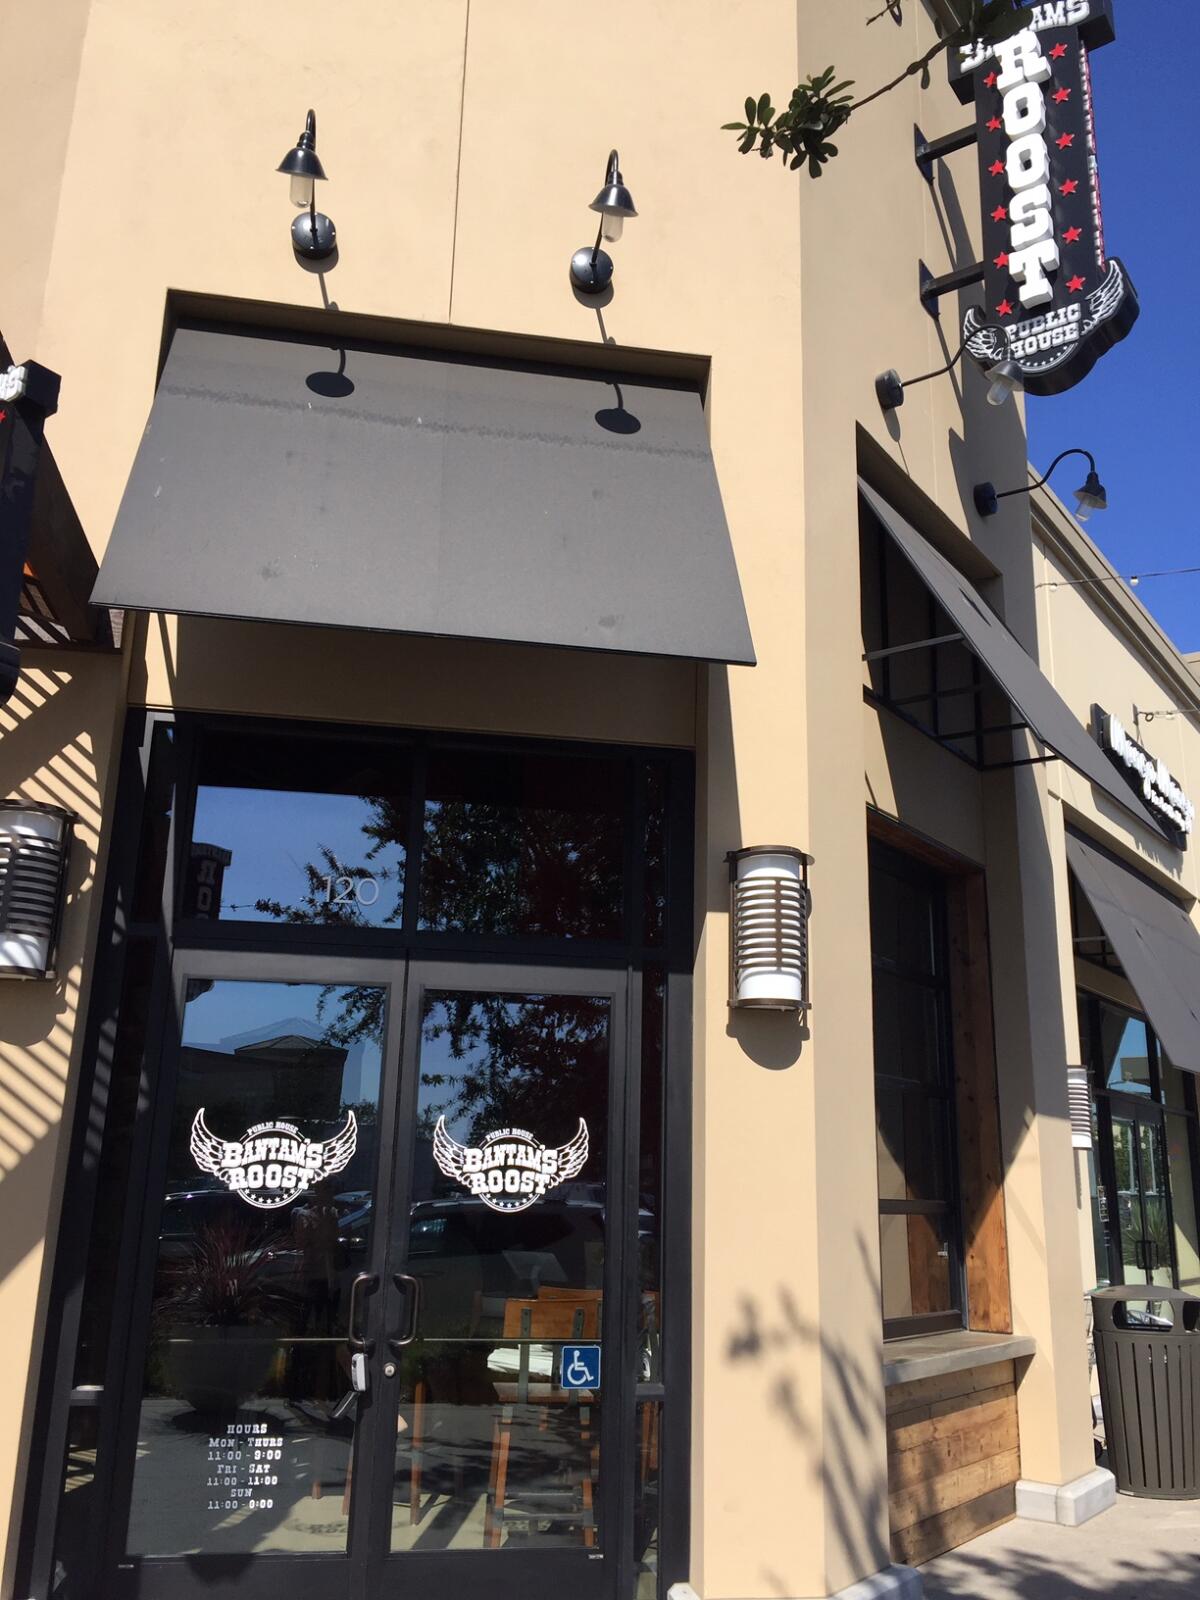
{"x":1156,"y":943}
{"x":307,"y":480}
{"x":1049,"y":717}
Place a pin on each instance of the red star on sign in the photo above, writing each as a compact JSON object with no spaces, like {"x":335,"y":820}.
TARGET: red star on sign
{"x":1000,"y":213}
{"x":1076,"y":283}
{"x":1070,"y":236}
{"x":994,"y":125}
{"x":1065,"y":140}
{"x":1069,"y":187}
{"x":1001,"y":260}
{"x":990,"y":81}
{"x":1061,"y":94}
{"x":1004,"y":309}
{"x":1058,"y":52}
{"x":3,"y":416}
{"x":996,"y":168}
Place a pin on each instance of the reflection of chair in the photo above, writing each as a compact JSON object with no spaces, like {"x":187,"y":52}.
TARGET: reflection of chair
{"x":557,"y":1315}
{"x":416,"y":1435}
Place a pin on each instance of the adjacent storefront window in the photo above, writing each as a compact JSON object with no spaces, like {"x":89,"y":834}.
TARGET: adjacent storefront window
{"x":914,"y":1091}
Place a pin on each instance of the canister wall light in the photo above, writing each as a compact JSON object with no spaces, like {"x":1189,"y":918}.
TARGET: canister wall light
{"x":1079,"y":1101}
{"x":769,"y":927}
{"x":34,"y":847}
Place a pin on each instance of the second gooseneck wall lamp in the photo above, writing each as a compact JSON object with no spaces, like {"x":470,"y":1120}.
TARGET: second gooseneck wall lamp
{"x":1090,"y":496}
{"x":591,"y":267}
{"x":313,"y":236}
{"x":988,"y":344}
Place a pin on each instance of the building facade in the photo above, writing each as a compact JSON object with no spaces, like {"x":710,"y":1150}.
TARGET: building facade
{"x":394,"y":1189}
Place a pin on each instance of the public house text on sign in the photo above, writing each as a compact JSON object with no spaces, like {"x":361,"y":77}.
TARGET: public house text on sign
{"x":1048,"y":282}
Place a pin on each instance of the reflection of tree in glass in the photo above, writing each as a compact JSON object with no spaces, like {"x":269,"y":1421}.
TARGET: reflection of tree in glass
{"x":535,"y":1061}
{"x":335,"y":888}
{"x":235,"y":1272}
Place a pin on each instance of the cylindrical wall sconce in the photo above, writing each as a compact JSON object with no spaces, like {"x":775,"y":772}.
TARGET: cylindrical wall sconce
{"x":768,"y":939}
{"x":1079,"y":1100}
{"x":35,"y":842}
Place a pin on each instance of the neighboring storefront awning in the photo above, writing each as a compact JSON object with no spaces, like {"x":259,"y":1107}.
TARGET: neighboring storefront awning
{"x":1049,"y":717}
{"x":1155,"y":941}
{"x":290,"y":478}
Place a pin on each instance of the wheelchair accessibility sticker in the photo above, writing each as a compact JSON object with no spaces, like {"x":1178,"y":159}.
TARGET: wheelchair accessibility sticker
{"x":580,"y":1366}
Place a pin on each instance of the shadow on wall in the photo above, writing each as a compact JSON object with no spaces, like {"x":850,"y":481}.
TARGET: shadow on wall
{"x":46,"y":729}
{"x":770,"y":1332}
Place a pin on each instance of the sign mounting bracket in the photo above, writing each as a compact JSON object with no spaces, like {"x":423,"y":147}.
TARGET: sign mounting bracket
{"x":928,"y":151}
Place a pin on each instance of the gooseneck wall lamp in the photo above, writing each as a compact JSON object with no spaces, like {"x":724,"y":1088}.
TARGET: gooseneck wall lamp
{"x":591,"y":267}
{"x":987,"y":344}
{"x":769,"y":907}
{"x":313,"y":236}
{"x":1089,"y":497}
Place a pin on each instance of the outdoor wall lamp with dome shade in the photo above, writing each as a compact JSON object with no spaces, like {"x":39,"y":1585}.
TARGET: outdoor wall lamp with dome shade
{"x":591,"y":267}
{"x":768,"y":940}
{"x":35,"y":843}
{"x":313,"y":236}
{"x":1089,"y":497}
{"x":987,"y":343}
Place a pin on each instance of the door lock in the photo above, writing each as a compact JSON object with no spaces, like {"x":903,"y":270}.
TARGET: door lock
{"x":389,"y":1369}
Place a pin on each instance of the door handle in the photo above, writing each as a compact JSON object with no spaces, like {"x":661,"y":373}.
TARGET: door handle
{"x":370,"y":1282}
{"x":406,"y":1281}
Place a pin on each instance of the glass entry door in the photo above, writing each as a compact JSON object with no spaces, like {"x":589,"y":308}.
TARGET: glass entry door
{"x":378,"y":1330}
{"x":1143,"y":1221}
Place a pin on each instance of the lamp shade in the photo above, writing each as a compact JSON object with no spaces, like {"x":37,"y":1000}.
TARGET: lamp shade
{"x":34,"y":844}
{"x":302,"y":161}
{"x":1091,"y":496}
{"x":769,"y":927}
{"x":614,"y":199}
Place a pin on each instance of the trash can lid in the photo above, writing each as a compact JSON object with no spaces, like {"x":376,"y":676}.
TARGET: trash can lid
{"x":1144,"y":1291}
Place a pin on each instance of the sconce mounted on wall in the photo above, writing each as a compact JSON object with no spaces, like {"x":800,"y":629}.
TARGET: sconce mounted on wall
{"x":768,"y":941}
{"x":987,"y":344}
{"x":1092,"y":496}
{"x":314,"y":237}
{"x":35,"y":842}
{"x":591,"y":267}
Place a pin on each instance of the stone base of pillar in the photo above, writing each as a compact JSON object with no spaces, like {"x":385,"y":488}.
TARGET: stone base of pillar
{"x":1068,"y":1504}
{"x":893,"y":1583}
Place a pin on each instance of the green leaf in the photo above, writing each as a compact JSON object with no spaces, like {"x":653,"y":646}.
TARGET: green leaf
{"x":746,"y":143}
{"x":732,"y":127}
{"x":764,"y":106}
{"x":750,"y":109}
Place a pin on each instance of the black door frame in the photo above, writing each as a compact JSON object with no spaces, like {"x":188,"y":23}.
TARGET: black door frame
{"x":55,"y":1400}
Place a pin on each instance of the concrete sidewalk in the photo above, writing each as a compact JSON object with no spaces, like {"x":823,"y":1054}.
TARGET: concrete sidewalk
{"x":1140,"y":1550}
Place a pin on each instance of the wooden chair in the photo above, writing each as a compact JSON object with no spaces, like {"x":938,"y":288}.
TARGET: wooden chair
{"x":557,"y":1316}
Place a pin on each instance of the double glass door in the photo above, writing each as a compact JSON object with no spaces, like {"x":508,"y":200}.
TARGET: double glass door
{"x":381,"y":1334}
{"x":1142,"y":1232}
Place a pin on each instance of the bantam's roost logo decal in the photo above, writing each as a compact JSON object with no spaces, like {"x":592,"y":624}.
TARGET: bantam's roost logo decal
{"x":510,"y":1169}
{"x":273,"y":1163}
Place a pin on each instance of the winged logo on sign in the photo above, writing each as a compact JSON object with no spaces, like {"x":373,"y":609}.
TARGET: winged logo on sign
{"x":1040,"y":344}
{"x":273,"y":1163}
{"x":510,"y":1169}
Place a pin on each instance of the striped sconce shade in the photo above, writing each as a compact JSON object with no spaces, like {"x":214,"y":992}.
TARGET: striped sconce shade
{"x":1080,"y":1101}
{"x":769,"y":927}
{"x":34,"y":846}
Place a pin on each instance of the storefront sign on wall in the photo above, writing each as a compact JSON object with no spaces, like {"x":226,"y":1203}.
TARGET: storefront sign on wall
{"x":1148,"y":775}
{"x":273,"y":1163}
{"x":1048,"y":282}
{"x":510,"y":1169}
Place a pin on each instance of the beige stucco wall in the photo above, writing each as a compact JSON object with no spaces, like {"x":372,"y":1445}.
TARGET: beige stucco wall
{"x":463,"y":144}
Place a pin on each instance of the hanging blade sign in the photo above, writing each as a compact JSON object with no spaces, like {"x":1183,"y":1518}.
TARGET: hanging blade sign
{"x":1062,"y":301}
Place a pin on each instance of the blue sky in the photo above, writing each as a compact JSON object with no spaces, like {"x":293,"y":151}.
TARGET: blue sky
{"x":1138,"y":410}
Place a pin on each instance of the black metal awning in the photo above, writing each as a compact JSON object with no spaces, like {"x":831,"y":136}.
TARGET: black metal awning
{"x":419,"y":491}
{"x":1156,"y":942}
{"x":1049,"y":718}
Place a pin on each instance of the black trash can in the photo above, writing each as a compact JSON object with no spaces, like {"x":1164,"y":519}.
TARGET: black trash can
{"x":1149,"y":1372}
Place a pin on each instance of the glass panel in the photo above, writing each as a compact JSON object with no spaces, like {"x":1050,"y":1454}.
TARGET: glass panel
{"x":902,"y":925}
{"x":650,"y":1170}
{"x":646,"y":1499}
{"x":156,"y":826}
{"x":1098,"y":1215}
{"x":915,"y":1257}
{"x":1125,"y":1051}
{"x":913,"y":1138}
{"x":523,"y":845}
{"x":247,"y":1417}
{"x":654,"y":908}
{"x":1181,"y":1173}
{"x":1156,"y":1241}
{"x":907,"y":1032}
{"x":507,"y":1239}
{"x":1174,"y":1083}
{"x":299,"y":830}
{"x":1129,"y":1202}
